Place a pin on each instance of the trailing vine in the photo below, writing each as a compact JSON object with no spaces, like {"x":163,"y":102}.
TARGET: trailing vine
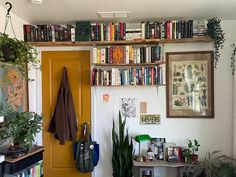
{"x":215,"y":32}
{"x":233,"y":58}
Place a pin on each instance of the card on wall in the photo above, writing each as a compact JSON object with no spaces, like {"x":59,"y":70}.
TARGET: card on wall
{"x":128,"y":107}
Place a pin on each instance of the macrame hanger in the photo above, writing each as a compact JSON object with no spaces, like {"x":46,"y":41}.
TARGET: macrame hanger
{"x":8,"y":18}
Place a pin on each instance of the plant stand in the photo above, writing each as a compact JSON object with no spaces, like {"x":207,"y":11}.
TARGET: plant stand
{"x":15,"y":165}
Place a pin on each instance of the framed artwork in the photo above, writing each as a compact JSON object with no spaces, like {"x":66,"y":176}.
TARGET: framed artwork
{"x":13,"y":88}
{"x":128,"y":107}
{"x":190,"y":84}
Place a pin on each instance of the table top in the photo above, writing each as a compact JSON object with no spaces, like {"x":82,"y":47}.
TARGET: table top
{"x":34,"y":150}
{"x":158,"y":163}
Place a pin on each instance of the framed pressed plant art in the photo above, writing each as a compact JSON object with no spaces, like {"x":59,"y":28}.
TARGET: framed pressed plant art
{"x":190,"y":84}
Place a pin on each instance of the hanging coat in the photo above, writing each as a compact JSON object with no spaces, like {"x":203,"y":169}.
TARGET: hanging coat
{"x":63,"y":124}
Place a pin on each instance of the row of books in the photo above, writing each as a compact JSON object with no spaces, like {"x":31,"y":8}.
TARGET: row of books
{"x":98,"y":31}
{"x":107,"y":32}
{"x":129,"y":76}
{"x":175,"y":29}
{"x":34,"y":171}
{"x":46,"y":33}
{"x":128,"y":54}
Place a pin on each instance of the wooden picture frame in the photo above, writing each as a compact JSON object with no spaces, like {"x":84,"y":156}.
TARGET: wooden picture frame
{"x":13,"y":88}
{"x":190,"y":84}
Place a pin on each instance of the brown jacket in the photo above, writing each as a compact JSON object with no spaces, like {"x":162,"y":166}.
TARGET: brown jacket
{"x":63,"y":124}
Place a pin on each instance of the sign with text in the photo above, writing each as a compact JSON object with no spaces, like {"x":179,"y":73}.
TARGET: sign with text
{"x":150,"y":119}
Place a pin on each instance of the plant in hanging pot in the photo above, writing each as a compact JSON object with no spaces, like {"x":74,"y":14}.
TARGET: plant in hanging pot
{"x":216,"y":33}
{"x":20,"y":128}
{"x":19,"y":53}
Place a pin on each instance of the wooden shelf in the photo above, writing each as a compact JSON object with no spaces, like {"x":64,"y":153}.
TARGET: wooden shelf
{"x":14,"y":165}
{"x":136,"y":64}
{"x":158,"y":163}
{"x":129,"y":42}
{"x":32,"y":152}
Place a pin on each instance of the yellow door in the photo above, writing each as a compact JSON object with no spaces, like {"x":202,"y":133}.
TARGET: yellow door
{"x":58,"y":159}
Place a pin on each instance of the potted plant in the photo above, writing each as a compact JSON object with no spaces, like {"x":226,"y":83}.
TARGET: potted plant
{"x":20,"y":128}
{"x":19,"y":53}
{"x":213,"y":165}
{"x":122,"y":153}
{"x":194,"y":147}
{"x":186,"y":154}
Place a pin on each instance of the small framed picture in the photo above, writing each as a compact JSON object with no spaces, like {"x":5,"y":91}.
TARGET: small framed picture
{"x":190,"y":84}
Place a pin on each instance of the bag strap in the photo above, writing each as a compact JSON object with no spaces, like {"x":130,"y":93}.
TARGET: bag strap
{"x":85,"y":133}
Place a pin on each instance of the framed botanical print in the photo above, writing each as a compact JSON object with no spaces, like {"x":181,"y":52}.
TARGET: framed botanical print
{"x":13,"y":88}
{"x":190,"y":84}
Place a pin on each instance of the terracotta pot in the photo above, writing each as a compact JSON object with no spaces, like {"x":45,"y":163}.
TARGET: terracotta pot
{"x":194,"y":157}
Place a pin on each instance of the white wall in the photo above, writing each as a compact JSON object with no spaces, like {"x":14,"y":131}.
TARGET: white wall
{"x":213,"y":134}
{"x":17,"y":23}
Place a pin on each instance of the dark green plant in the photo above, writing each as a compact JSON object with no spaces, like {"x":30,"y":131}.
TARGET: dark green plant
{"x":122,"y":153}
{"x":19,"y":53}
{"x":20,"y":127}
{"x":233,"y":58}
{"x":215,"y":32}
{"x":193,"y":146}
{"x":213,"y":165}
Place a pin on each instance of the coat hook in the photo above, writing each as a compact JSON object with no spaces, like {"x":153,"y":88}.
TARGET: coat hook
{"x":9,"y":9}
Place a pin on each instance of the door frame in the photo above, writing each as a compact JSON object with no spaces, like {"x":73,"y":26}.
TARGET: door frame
{"x":35,"y":89}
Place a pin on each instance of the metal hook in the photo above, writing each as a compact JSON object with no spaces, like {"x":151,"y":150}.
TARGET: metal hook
{"x":9,"y":9}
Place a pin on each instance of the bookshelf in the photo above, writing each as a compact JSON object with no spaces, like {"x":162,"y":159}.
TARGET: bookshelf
{"x":128,"y":65}
{"x":115,"y":69}
{"x":127,"y":42}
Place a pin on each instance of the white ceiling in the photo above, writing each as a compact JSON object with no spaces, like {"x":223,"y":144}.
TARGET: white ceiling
{"x":69,"y":11}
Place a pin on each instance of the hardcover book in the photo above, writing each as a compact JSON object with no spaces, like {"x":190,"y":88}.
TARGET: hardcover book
{"x":119,"y":55}
{"x":82,"y":31}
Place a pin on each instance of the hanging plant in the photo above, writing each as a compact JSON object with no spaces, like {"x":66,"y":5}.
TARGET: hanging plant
{"x":215,"y":32}
{"x":19,"y":53}
{"x":233,"y":58}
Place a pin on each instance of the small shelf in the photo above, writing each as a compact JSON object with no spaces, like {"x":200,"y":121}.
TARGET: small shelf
{"x":17,"y":164}
{"x":32,"y":152}
{"x":128,"y":42}
{"x":135,"y":64}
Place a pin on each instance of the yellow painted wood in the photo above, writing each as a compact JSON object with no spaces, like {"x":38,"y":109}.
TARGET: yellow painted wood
{"x":58,"y":159}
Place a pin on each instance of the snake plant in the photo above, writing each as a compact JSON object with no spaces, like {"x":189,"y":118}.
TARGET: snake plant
{"x":122,"y":157}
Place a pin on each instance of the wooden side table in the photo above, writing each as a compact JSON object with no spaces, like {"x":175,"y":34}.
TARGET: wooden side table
{"x":139,"y":167}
